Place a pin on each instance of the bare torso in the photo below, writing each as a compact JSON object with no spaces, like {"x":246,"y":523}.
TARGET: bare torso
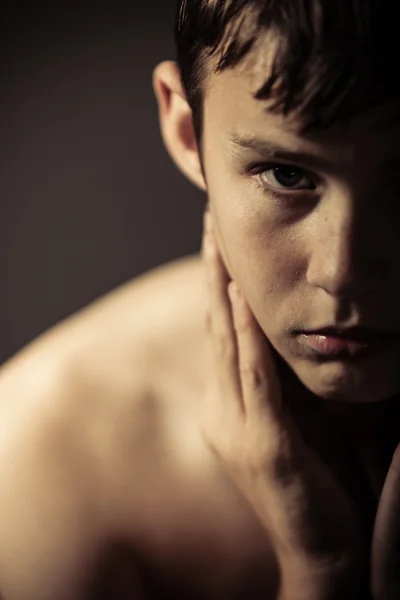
{"x":174,"y":526}
{"x":129,"y":374}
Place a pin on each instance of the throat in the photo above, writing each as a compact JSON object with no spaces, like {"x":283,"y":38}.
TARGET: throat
{"x":373,"y":445}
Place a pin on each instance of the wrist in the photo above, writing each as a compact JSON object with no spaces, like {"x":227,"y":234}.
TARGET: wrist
{"x":340,"y":580}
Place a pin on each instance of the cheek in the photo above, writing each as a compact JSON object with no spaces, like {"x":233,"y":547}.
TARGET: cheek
{"x":265,"y":258}
{"x":257,"y":245}
{"x":263,"y":252}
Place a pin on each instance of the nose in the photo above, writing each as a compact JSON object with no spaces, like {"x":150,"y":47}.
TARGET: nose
{"x":348,"y":257}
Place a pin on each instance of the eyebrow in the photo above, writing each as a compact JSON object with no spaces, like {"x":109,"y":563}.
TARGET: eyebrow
{"x":274,"y":151}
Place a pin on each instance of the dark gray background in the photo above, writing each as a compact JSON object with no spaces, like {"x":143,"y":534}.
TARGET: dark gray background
{"x":89,"y":196}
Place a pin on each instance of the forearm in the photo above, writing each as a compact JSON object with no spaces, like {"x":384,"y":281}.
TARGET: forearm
{"x":321,"y":562}
{"x":385,"y":552}
{"x":340,"y":582}
{"x":336,"y":574}
{"x":306,"y":577}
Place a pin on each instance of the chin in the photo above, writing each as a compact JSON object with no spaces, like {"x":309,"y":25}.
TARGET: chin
{"x":367,"y":381}
{"x":347,"y":383}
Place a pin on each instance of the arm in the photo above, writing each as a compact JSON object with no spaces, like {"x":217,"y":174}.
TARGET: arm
{"x":307,"y":515}
{"x":385,"y":554}
{"x":48,"y":531}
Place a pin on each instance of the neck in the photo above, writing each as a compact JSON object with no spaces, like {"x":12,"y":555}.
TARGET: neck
{"x":366,"y":419}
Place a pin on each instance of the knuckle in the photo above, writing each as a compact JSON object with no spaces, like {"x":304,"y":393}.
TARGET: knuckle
{"x":221,"y":442}
{"x":243,"y":322}
{"x":277,"y":459}
{"x":252,"y":375}
{"x":224,"y":345}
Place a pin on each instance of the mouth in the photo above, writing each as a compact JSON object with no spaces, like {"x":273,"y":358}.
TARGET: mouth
{"x":338,"y":342}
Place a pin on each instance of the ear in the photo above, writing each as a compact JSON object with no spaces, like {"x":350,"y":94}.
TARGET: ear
{"x":176,"y":122}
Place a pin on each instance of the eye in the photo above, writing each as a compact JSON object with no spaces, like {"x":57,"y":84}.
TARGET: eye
{"x":286,"y":177}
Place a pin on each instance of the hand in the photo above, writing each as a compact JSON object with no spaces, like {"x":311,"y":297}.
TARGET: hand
{"x":385,"y":554}
{"x":246,"y":423}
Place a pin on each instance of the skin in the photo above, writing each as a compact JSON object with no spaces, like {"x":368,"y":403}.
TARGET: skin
{"x":102,"y":418}
{"x":126,"y":499}
{"x":323,"y":254}
{"x":308,"y":258}
{"x":312,"y":257}
{"x":254,"y":436}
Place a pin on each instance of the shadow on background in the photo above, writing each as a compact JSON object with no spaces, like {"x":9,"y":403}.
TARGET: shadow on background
{"x":89,"y":196}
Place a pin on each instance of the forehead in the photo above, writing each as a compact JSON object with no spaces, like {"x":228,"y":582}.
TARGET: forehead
{"x":230,"y":106}
{"x":235,"y":87}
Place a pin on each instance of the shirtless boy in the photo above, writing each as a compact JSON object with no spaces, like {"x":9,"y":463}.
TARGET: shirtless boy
{"x":225,"y":427}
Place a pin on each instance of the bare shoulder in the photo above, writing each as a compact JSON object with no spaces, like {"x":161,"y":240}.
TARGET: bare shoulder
{"x":98,"y":422}
{"x":110,"y":357}
{"x":48,"y":529}
{"x":132,"y":318}
{"x":75,"y":409}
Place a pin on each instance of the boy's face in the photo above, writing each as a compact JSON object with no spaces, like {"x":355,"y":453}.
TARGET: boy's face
{"x":315,"y":242}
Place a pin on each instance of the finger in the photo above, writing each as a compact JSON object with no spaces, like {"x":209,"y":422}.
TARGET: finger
{"x":219,"y":322}
{"x":259,"y":381}
{"x":386,"y":537}
{"x":210,"y":363}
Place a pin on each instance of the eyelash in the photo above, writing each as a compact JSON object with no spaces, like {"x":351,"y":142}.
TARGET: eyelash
{"x":290,"y":196}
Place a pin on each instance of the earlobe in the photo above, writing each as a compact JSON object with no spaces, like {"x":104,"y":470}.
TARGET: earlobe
{"x":176,"y":122}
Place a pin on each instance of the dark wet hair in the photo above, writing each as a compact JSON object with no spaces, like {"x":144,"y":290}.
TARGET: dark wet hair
{"x":334,"y":58}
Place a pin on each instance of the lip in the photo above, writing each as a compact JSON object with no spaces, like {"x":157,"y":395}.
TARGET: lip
{"x":335,"y":342}
{"x":359,"y":334}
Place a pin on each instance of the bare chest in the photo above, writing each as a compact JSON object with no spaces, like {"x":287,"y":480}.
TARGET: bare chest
{"x":186,"y":530}
{"x":193,"y":541}
{"x":201,"y":573}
